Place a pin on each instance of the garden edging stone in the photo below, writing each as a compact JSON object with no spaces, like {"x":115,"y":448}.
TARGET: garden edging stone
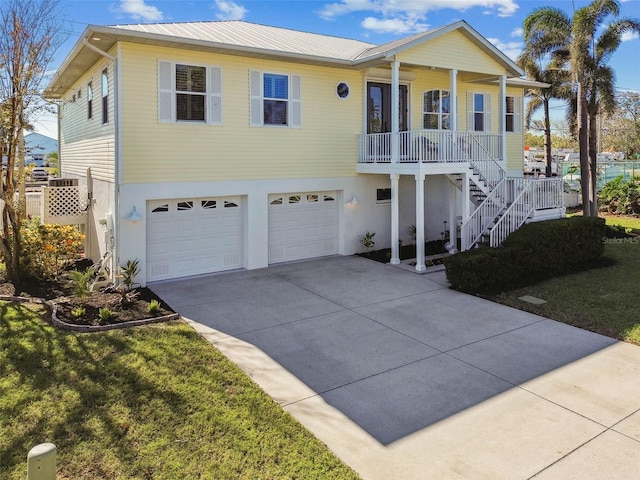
{"x":53,"y":308}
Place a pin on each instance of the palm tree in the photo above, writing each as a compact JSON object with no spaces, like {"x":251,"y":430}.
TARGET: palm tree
{"x":559,"y":88}
{"x":549,"y":31}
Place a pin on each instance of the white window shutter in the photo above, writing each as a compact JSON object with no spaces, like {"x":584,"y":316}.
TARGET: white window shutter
{"x":255,"y":103}
{"x":295,"y":119}
{"x":215,"y":96}
{"x":471,"y":124}
{"x":517,"y":114}
{"x":487,"y":112}
{"x":166,"y":96}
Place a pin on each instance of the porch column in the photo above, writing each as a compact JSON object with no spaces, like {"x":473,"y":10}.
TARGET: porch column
{"x":453,"y":101}
{"x":395,"y":111}
{"x":420,"y":264}
{"x":395,"y":220}
{"x":502,"y":112}
{"x":453,"y":228}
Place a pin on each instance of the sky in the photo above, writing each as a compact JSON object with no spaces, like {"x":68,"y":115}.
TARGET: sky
{"x":373,"y":21}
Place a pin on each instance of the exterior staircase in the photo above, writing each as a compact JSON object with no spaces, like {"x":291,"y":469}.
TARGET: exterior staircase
{"x":504,"y":204}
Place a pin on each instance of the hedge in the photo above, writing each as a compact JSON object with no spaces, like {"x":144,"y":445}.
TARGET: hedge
{"x":535,"y":251}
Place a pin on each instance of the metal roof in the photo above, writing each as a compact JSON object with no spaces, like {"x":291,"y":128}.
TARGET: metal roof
{"x":253,"y":40}
{"x":255,"y":36}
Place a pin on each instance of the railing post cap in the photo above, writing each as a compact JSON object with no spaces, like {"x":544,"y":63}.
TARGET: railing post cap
{"x":41,"y":449}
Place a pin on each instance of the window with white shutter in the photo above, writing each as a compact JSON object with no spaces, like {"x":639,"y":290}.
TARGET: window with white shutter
{"x":274,"y":99}
{"x":513,"y":114}
{"x":189,"y":93}
{"x":478,"y":112}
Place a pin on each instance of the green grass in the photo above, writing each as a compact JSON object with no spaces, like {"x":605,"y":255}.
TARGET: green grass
{"x":154,"y":402}
{"x":624,"y":221}
{"x":632,"y":223}
{"x":603,"y":300}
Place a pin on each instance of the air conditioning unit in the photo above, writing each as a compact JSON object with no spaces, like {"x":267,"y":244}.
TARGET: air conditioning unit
{"x":63,"y":182}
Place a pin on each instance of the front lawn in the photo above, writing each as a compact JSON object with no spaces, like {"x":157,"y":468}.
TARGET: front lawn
{"x":154,"y":402}
{"x":603,"y":300}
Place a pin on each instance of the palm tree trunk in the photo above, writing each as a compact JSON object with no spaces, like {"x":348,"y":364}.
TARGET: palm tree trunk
{"x":585,"y":172}
{"x":593,"y":164}
{"x":547,"y":138}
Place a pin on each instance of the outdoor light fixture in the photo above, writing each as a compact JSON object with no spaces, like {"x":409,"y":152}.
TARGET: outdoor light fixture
{"x":353,"y":201}
{"x":134,"y":216}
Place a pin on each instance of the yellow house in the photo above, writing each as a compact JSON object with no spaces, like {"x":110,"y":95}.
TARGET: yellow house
{"x":212,"y":146}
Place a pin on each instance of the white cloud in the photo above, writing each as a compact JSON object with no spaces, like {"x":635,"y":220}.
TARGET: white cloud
{"x":510,"y":49}
{"x":416,"y":8}
{"x":626,"y":36}
{"x":517,"y":32}
{"x":408,"y":16}
{"x":392,"y":25}
{"x":140,"y":10}
{"x":229,"y":10}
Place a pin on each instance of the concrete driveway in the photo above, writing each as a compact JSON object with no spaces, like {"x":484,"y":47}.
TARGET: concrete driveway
{"x":404,"y":378}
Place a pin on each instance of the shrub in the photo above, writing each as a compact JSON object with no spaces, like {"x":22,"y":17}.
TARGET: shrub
{"x":537,"y":250}
{"x":46,"y":250}
{"x":620,"y":196}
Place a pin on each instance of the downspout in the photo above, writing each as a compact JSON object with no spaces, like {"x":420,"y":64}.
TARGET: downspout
{"x":117,"y":149}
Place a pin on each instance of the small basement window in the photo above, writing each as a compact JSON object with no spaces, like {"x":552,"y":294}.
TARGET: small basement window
{"x":383,"y":195}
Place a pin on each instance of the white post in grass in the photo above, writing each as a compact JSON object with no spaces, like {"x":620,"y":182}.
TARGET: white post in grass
{"x":41,"y":462}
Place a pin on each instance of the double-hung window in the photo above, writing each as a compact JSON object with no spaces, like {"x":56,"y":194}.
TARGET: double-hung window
{"x":105,"y":96}
{"x":189,"y":93}
{"x":513,"y":115}
{"x":479,"y":112}
{"x":275,"y":99}
{"x":436,"y":107}
{"x":89,"y":101}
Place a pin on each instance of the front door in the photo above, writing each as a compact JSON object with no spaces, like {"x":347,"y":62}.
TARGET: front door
{"x":379,"y":107}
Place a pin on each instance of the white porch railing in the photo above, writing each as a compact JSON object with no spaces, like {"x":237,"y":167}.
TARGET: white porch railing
{"x":425,"y":146}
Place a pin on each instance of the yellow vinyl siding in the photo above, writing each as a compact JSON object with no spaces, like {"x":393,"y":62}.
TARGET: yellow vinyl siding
{"x":515,"y":141}
{"x":324,"y":146}
{"x":452,"y":50}
{"x":88,"y":142}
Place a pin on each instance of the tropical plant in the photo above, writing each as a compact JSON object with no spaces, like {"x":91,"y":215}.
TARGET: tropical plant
{"x":78,"y":312}
{"x":572,"y":41}
{"x":106,"y":314}
{"x":81,"y":282}
{"x":153,"y":307}
{"x":129,"y":272}
{"x":367,"y":240}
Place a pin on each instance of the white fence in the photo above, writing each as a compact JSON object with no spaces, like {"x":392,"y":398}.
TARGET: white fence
{"x":55,"y":205}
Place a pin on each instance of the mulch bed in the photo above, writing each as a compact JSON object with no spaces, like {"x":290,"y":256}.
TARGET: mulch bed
{"x":61,"y":293}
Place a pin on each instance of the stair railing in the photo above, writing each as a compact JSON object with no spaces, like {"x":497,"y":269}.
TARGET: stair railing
{"x":484,"y":215}
{"x":482,"y":150}
{"x":513,"y":217}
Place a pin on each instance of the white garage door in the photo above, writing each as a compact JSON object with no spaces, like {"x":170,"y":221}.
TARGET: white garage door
{"x":302,"y":225}
{"x":194,"y":236}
